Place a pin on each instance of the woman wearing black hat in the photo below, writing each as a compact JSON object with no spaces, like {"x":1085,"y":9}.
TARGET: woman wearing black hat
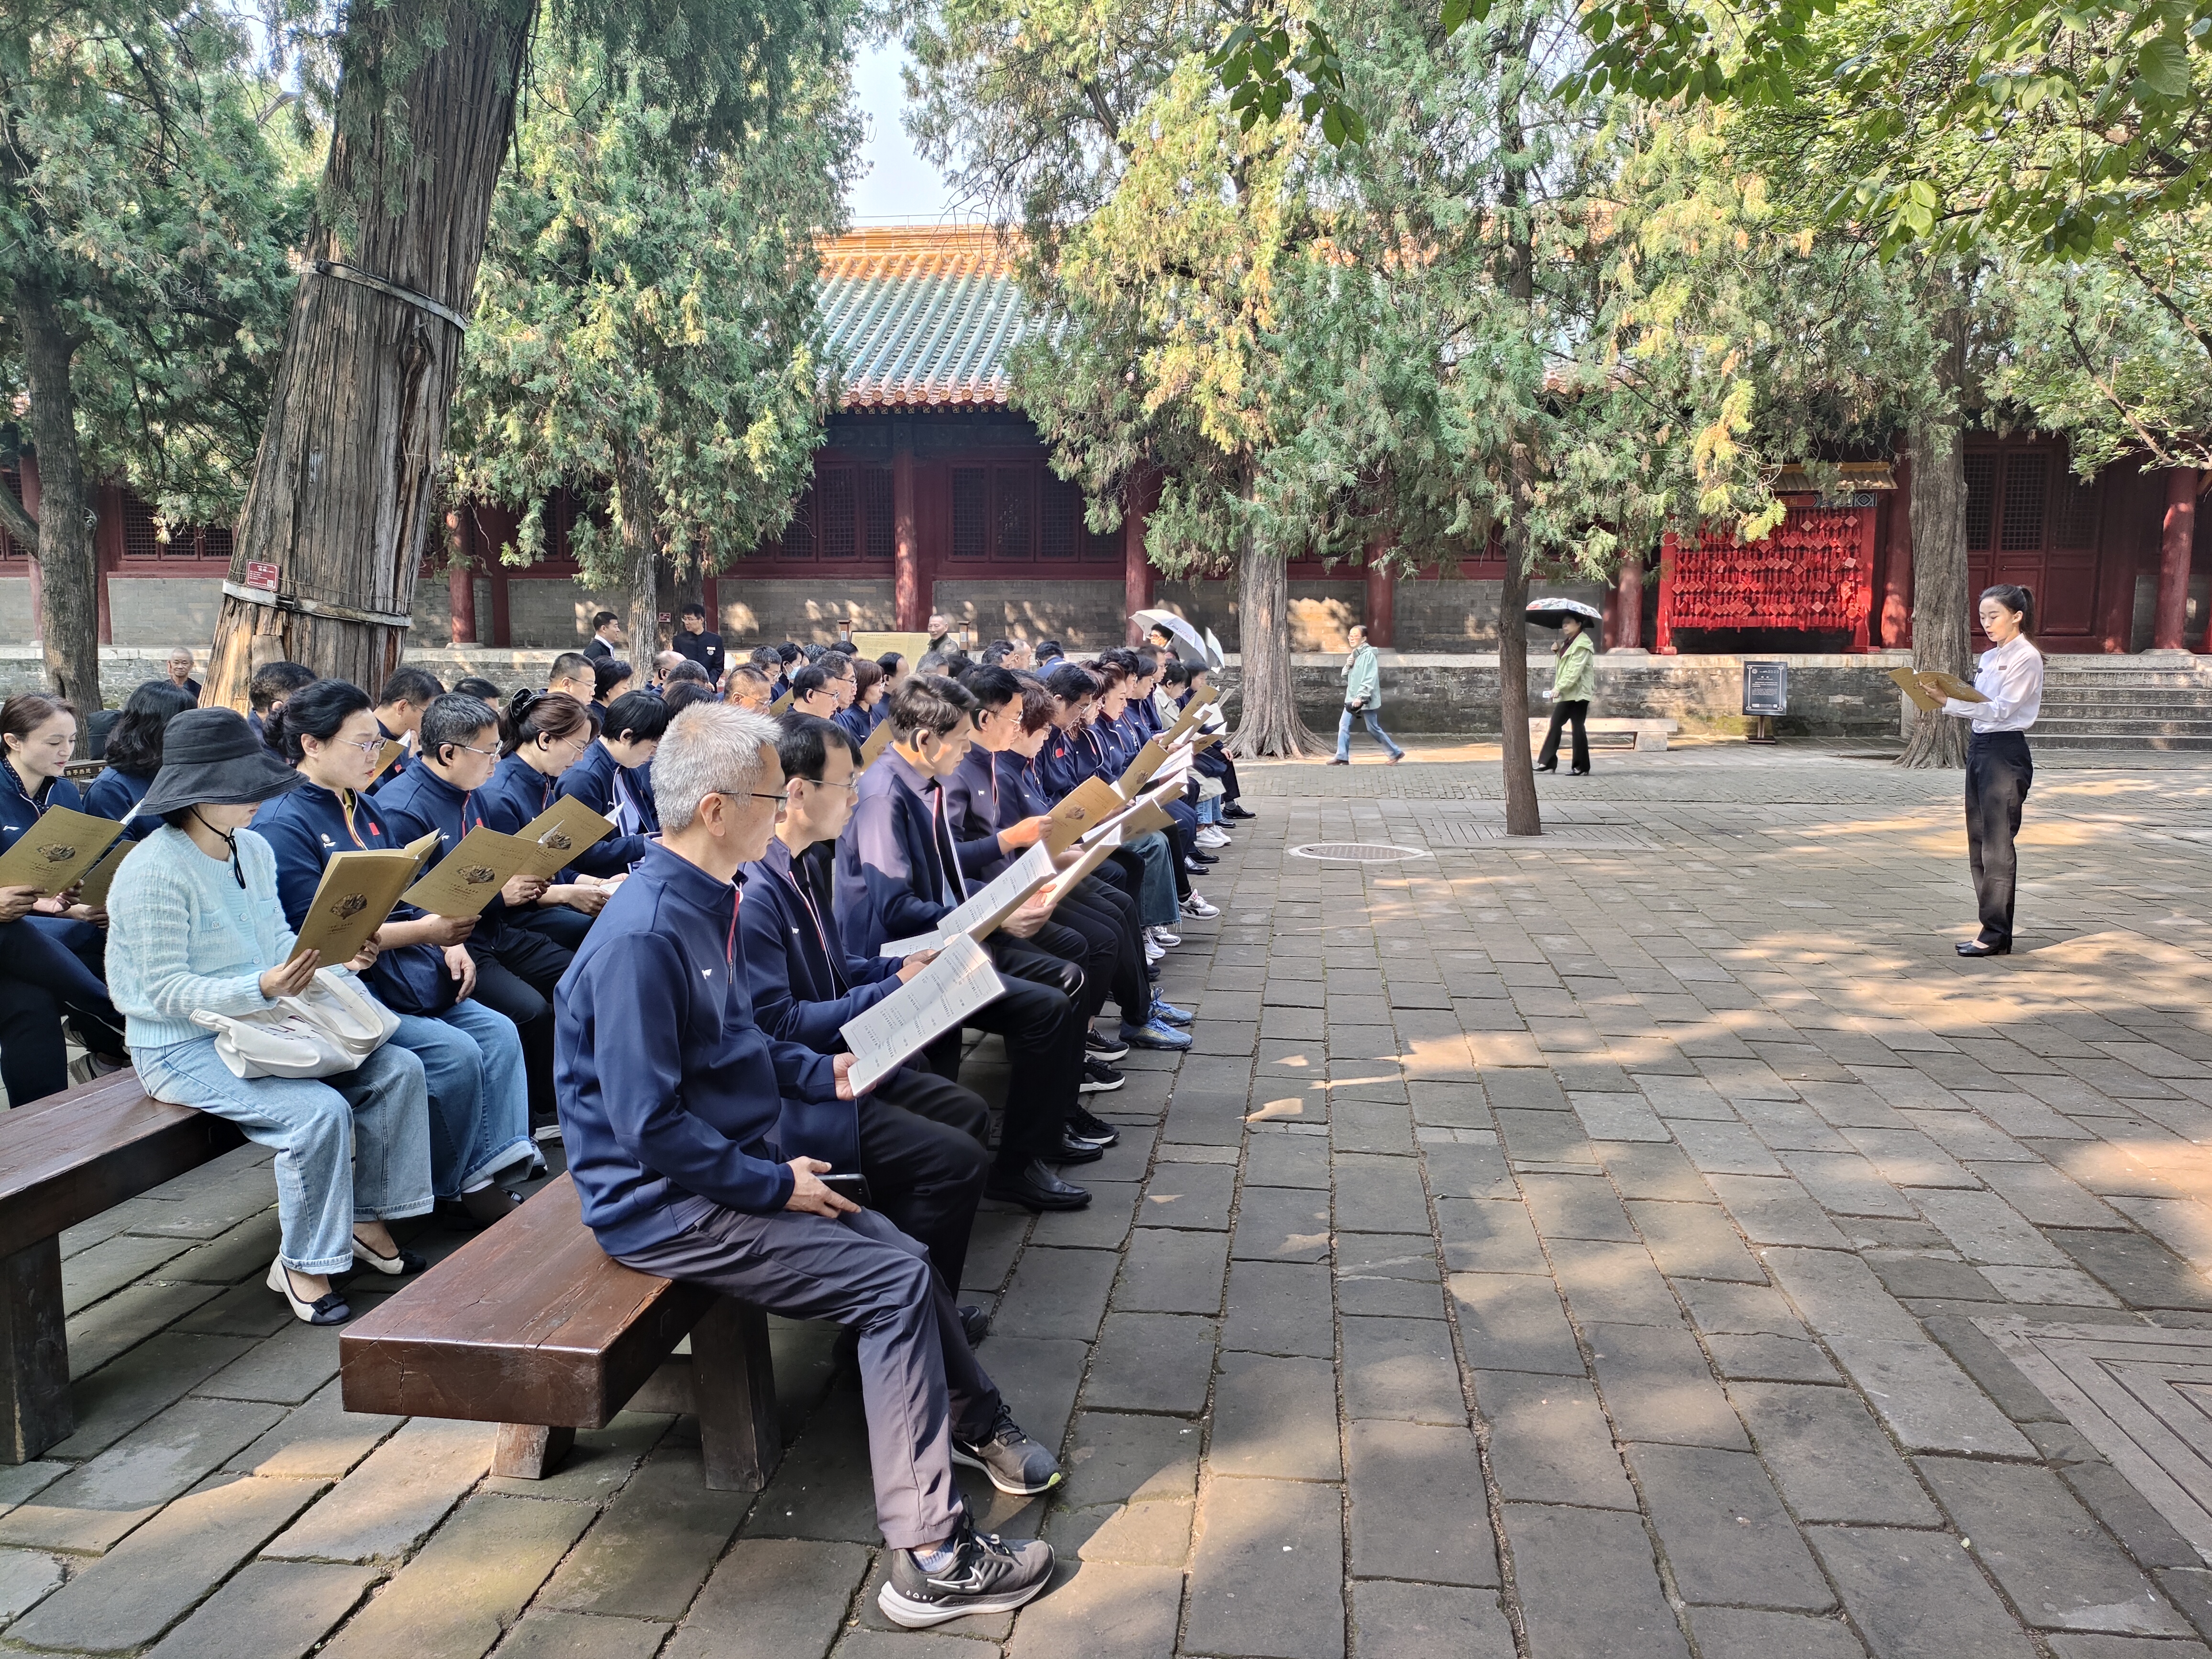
{"x":197,"y":927}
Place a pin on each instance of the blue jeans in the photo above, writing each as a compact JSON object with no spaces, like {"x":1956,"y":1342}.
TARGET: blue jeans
{"x":479,"y":1094}
{"x":1157,"y":904}
{"x":1373,"y":716}
{"x":354,"y":1147}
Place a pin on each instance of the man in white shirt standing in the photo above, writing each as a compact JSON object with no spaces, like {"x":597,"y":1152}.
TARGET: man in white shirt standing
{"x":1999,"y":768}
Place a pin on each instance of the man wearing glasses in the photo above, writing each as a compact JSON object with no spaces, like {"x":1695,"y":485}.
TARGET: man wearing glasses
{"x":671,"y":1098}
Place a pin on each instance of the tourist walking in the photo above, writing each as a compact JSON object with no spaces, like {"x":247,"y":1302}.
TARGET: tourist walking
{"x":1361,"y":675}
{"x":1573,"y":682}
{"x":1999,"y":767}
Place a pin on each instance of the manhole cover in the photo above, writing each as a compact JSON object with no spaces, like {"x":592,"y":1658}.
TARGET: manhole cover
{"x":1356,"y":852}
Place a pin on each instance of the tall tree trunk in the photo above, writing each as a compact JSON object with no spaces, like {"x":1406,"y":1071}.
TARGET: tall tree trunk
{"x":1269,"y":723}
{"x":641,"y":539}
{"x":344,"y":487}
{"x":1939,"y":545}
{"x":1524,"y":817}
{"x":69,"y":575}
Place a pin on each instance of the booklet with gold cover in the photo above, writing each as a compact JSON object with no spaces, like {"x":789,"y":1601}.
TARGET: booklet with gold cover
{"x":469,"y":877}
{"x":1086,"y":806}
{"x":561,"y":833}
{"x":355,"y":898}
{"x":93,"y":889}
{"x":58,"y":852}
{"x":1908,"y":681}
{"x":878,"y":740}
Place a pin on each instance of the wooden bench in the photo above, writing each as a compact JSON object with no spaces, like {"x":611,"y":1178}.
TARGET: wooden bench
{"x":531,"y":1326}
{"x":1648,"y":735}
{"x":63,"y":1160}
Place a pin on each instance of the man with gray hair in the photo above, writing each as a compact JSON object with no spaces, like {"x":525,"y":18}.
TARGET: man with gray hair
{"x":669,"y":1096}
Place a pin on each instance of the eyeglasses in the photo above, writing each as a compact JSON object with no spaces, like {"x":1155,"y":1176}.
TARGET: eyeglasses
{"x":470,"y":748}
{"x":368,"y":747}
{"x":823,"y":783}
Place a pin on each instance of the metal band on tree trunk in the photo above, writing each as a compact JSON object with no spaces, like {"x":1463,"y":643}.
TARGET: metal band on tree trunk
{"x":346,"y":273}
{"x":316,"y":607}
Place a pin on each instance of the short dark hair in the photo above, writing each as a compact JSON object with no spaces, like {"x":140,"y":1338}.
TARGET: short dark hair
{"x":687,"y":670}
{"x":408,"y":683}
{"x":992,"y":686}
{"x":770,"y":658}
{"x":682,"y":695}
{"x":452,"y":718}
{"x":134,"y":742}
{"x":316,"y":710}
{"x":806,"y":682}
{"x":607,"y":673}
{"x":476,"y":686}
{"x":933,"y":662}
{"x":569,"y":665}
{"x":273,"y":682}
{"x":805,"y":742}
{"x":639,"y":715}
{"x":601,"y":618}
{"x":888,"y":662}
{"x":692,"y":608}
{"x":929,"y":702}
{"x":846,"y":649}
{"x":1037,"y":705}
{"x":834,"y":663}
{"x":1048,"y":649}
{"x":788,"y":651}
{"x":1070,"y":682}
{"x":1177,"y":671}
{"x":864,"y":674}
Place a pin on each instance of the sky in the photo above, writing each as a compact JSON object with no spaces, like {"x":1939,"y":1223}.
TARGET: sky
{"x":899,"y":187}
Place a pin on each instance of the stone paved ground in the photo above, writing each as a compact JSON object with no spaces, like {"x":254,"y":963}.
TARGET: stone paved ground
{"x":1647,"y":1240}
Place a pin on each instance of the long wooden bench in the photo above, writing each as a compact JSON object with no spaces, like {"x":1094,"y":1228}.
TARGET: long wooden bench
{"x":1616,"y":731}
{"x":531,"y":1326}
{"x":63,"y":1160}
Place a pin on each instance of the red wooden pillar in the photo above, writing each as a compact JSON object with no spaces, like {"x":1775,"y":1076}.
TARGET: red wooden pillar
{"x":1862,"y":606}
{"x":30,"y":478}
{"x":1663,"y":645}
{"x":461,"y":578}
{"x":1625,"y":613}
{"x":1897,"y":563}
{"x":910,"y":585}
{"x":106,"y":554}
{"x":1137,"y":575}
{"x":1382,"y":592}
{"x":2171,"y":621}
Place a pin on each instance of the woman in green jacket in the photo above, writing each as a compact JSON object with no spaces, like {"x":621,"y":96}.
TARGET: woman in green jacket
{"x":1363,"y":696}
{"x":1573,"y":682}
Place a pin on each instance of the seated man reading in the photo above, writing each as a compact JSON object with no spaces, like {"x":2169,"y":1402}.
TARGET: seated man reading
{"x":669,"y":1106}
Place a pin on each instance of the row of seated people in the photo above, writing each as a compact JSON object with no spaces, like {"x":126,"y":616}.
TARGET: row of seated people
{"x":697,"y":1138}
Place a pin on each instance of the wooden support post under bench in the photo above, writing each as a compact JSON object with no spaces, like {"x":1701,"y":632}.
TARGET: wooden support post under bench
{"x":531,"y":1326}
{"x":63,"y":1160}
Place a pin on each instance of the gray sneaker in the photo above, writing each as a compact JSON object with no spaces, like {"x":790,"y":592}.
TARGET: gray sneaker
{"x":1017,"y":1466}
{"x":988,"y":1574}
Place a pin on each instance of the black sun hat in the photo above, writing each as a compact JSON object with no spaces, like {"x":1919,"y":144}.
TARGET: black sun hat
{"x":211,"y":757}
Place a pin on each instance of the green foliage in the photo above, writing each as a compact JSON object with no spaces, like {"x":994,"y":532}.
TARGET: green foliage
{"x":647,"y":304}
{"x":143,"y":194}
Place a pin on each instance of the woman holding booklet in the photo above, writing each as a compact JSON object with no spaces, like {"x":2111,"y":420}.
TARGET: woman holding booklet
{"x":471,"y":1055}
{"x":199,"y":929}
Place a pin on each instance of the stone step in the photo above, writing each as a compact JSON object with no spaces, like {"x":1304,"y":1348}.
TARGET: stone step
{"x":2094,"y":727}
{"x":2042,"y":740}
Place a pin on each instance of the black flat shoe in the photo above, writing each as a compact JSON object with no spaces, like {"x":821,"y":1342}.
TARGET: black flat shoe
{"x":1073,"y":1151}
{"x":974,"y":1323}
{"x":1976,"y":947}
{"x":1036,"y":1188}
{"x":1232,"y":811}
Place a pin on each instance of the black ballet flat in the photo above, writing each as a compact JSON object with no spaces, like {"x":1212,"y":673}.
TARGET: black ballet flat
{"x":1975,"y":947}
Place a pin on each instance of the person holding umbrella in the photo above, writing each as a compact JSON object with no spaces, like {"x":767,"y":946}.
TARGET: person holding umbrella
{"x":1572,"y":681}
{"x":1362,"y":696}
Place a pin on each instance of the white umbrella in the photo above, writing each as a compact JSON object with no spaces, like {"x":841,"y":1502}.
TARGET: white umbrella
{"x":1189,"y":645}
{"x":1550,"y":613}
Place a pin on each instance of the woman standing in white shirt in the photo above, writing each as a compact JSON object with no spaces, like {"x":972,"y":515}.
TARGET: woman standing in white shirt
{"x":1999,"y":767}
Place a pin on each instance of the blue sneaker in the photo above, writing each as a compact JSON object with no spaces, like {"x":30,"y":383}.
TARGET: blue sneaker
{"x":1166,"y":1013}
{"x":1153,"y":1035}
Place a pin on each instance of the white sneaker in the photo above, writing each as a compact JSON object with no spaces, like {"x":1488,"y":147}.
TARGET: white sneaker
{"x":1196,"y":906}
{"x":1209,"y":836}
{"x":1153,"y":951}
{"x":1164,"y":940}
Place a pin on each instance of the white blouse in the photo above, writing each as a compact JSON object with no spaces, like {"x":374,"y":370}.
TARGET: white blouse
{"x":2011,"y":676}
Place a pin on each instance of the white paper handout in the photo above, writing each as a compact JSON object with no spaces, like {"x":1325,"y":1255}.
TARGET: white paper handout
{"x":990,"y":904}
{"x":931,"y":1003}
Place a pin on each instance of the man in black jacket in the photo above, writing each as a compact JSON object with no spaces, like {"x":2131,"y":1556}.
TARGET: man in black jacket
{"x":695,"y":639}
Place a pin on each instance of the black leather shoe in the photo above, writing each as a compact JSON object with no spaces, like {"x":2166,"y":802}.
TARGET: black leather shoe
{"x":974,"y":1323}
{"x":1036,"y":1188}
{"x":1233,"y":811}
{"x":1073,"y":1151}
{"x":1982,"y":947}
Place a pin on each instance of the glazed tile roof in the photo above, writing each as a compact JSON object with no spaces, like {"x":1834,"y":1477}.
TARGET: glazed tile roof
{"x":921,"y":316}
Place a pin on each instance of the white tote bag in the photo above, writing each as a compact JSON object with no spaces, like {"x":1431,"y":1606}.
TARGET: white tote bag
{"x":331,"y":1027}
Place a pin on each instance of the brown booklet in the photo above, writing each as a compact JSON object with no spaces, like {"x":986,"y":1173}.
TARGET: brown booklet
{"x":355,"y":898}
{"x":471,"y":876}
{"x":1908,"y":681}
{"x":58,"y":852}
{"x":1086,"y":806}
{"x":561,"y":833}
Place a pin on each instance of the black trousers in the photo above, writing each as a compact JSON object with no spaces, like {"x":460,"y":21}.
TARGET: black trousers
{"x":557,"y":922}
{"x":517,"y":969}
{"x":1043,"y":1029}
{"x":1999,"y":770}
{"x":1107,"y":918}
{"x":923,"y":1150}
{"x":41,"y":979}
{"x":1575,"y":710}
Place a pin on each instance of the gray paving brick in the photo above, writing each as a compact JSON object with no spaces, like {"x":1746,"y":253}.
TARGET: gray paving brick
{"x":1275,"y":1418}
{"x":1929,"y":1404}
{"x":581,"y":1636}
{"x":1694,"y":1241}
{"x":1727,"y":1537}
{"x":1549,"y":1443}
{"x":1167,"y":1271}
{"x":287,"y":1606}
{"x":1402,"y":1368}
{"x":26,"y":1578}
{"x":1770,"y":1358}
{"x":1846,"y":1183}
{"x":1831,"y":1459}
{"x":1272,"y":1308}
{"x":1380,"y":1195}
{"x":1111,"y":1611}
{"x":1588,"y":1585}
{"x":1412,"y":1489}
{"x":126,"y":1319}
{"x":1121,"y":1458}
{"x":1488,"y":1236}
{"x":1776,"y":1210}
{"x":1915,"y":1594}
{"x":1058,"y":1292}
{"x":1615,"y":1283}
{"x":1839,"y":1296}
{"x":1576,"y":1206}
{"x":1464,"y":1170}
{"x":1183,"y":1194}
{"x":650,"y":1553}
{"x":2058,"y":1566}
{"x":120,"y":1395}
{"x":391,"y":1501}
{"x":1742,"y":1634}
{"x":164,"y":1457}
{"x":1657,"y":1386}
{"x":1513,"y":1322}
{"x":772,"y":1598}
{"x":1417,"y":1621}
{"x":1267,"y":1576}
{"x":320,"y":1437}
{"x":1359,"y":1126}
{"x":1153,"y":1363}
